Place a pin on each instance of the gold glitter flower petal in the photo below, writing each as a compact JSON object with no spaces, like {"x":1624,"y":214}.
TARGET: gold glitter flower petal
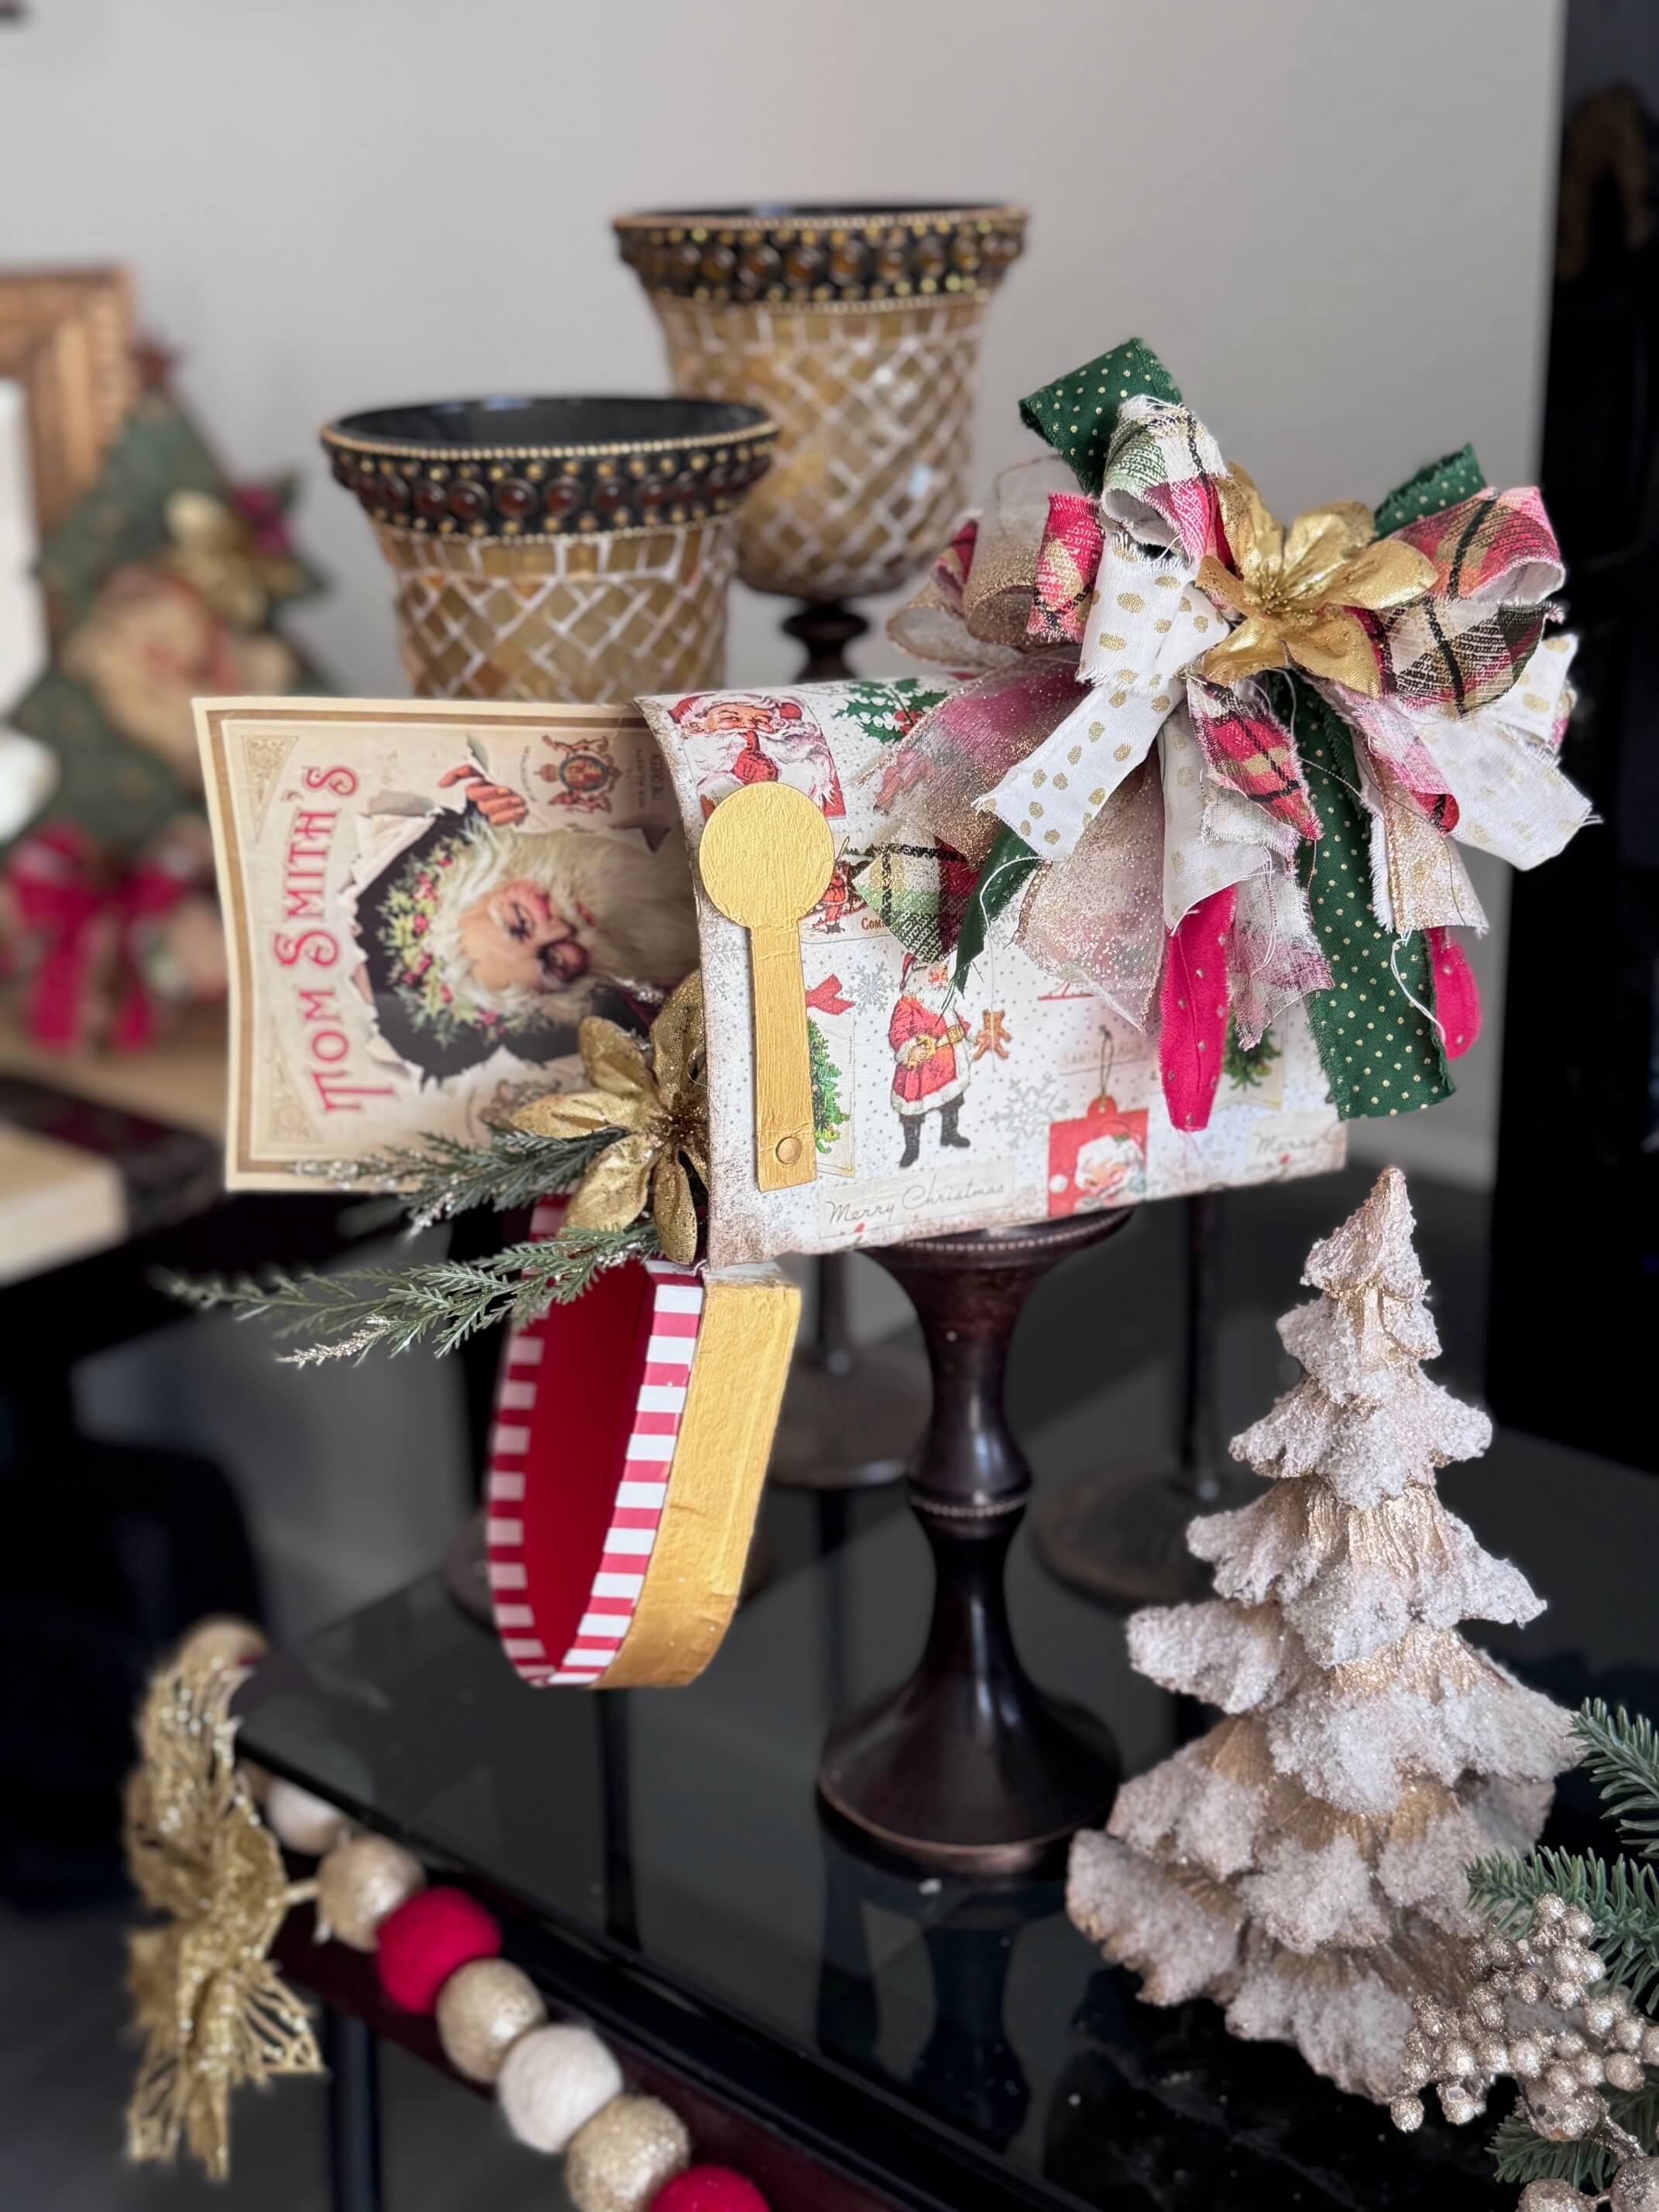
{"x":1254,"y":539}
{"x":1384,"y":576}
{"x":567,"y":1114}
{"x":1336,"y":647}
{"x":612,"y":1061}
{"x":677,"y":1040}
{"x":672,"y":1210}
{"x":614,"y":1190}
{"x":1257,"y":644}
{"x":1319,"y":545}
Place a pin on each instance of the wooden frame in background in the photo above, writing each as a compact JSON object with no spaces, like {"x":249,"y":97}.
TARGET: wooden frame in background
{"x":66,"y":336}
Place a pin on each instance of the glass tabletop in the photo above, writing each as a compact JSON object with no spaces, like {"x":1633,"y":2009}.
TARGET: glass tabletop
{"x":674,"y":1838}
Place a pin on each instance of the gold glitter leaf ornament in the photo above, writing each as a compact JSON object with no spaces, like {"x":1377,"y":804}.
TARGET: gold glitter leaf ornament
{"x":212,"y":2011}
{"x":662,"y":1108}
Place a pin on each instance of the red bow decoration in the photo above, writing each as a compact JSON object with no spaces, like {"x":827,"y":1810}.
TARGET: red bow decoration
{"x":828,"y":997}
{"x":74,"y":907}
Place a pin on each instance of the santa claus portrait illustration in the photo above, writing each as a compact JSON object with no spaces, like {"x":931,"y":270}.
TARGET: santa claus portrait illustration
{"x":736,"y":738}
{"x":483,"y":935}
{"x":932,"y":1056}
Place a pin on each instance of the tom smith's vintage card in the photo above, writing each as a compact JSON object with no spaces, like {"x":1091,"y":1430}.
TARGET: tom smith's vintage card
{"x":422,"y":899}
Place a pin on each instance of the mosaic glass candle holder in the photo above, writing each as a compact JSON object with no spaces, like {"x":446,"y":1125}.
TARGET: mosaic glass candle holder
{"x":576,"y":549}
{"x":857,"y":330}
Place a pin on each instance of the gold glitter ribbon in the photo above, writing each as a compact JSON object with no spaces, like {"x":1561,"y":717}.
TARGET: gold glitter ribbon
{"x":662,"y":1108}
{"x":210,"y":2010}
{"x":1296,"y":589}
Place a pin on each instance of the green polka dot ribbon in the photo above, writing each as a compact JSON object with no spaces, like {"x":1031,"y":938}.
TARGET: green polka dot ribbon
{"x":1078,"y":414}
{"x":1441,"y":485}
{"x":1380,"y":1051}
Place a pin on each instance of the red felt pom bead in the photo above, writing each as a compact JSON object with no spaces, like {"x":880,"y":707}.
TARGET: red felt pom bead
{"x":709,"y":2189}
{"x":422,"y":1943}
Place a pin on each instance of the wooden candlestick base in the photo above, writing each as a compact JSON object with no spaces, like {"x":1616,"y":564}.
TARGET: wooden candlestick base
{"x":826,"y":628}
{"x":969,"y":1766}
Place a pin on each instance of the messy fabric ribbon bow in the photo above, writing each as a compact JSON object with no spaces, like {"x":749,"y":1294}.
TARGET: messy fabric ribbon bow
{"x":1223,"y":765}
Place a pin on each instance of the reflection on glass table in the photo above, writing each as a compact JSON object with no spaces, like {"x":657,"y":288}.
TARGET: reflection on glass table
{"x":662,"y":1866}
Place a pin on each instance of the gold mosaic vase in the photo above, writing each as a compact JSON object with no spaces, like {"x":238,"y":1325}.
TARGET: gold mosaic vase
{"x":577,"y":550}
{"x":856,"y":331}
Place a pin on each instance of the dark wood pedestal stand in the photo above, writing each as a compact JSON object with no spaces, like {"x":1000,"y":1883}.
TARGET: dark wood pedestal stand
{"x":970,"y":1767}
{"x":1119,"y":1535}
{"x":852,"y":1413}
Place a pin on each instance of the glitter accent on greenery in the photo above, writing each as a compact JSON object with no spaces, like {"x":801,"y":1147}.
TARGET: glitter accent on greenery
{"x":445,"y":1176}
{"x":441,"y":1304}
{"x":1622,"y":1899}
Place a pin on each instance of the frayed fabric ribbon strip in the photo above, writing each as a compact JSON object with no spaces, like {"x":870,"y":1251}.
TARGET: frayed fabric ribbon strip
{"x":1161,"y":620}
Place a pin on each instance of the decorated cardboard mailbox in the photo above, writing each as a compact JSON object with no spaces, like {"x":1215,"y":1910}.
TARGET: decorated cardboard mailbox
{"x":1151,"y":901}
{"x":427,"y":902}
{"x":940,"y":1102}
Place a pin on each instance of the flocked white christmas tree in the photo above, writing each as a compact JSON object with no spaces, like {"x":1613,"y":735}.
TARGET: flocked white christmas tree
{"x":1302,"y":1863}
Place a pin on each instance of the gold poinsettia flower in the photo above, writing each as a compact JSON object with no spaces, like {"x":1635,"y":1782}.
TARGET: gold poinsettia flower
{"x":217,"y":548}
{"x":662,"y":1108}
{"x":1296,"y":589}
{"x":210,"y":2010}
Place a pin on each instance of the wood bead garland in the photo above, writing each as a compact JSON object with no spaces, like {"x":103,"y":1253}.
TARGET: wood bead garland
{"x":552,"y":2083}
{"x":304,"y":1823}
{"x":430,"y":1936}
{"x":620,"y":2161}
{"x":483,"y":2010}
{"x":358,"y":1883}
{"x":560,"y":2088}
{"x":709,"y":2189}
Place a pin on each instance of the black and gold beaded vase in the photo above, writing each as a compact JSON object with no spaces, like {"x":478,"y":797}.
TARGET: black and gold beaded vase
{"x":578,"y":550}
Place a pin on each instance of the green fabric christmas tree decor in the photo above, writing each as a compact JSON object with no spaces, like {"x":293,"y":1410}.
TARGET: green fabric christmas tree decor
{"x":161,"y":585}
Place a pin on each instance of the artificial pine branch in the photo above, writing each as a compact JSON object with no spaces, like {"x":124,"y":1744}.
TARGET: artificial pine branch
{"x":1622,"y":1899}
{"x":1622,"y":1754}
{"x":445,"y":1176}
{"x":1522,"y":2156}
{"x":441,"y":1304}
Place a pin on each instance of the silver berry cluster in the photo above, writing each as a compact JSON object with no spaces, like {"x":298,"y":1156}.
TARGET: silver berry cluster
{"x":1539,"y":2009}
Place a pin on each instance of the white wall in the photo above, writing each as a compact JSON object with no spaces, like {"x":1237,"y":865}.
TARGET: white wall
{"x":1329,"y":217}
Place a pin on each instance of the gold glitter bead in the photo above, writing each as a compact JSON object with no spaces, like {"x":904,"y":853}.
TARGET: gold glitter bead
{"x":624,"y":2155}
{"x":483,"y":2010}
{"x":358,"y":1883}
